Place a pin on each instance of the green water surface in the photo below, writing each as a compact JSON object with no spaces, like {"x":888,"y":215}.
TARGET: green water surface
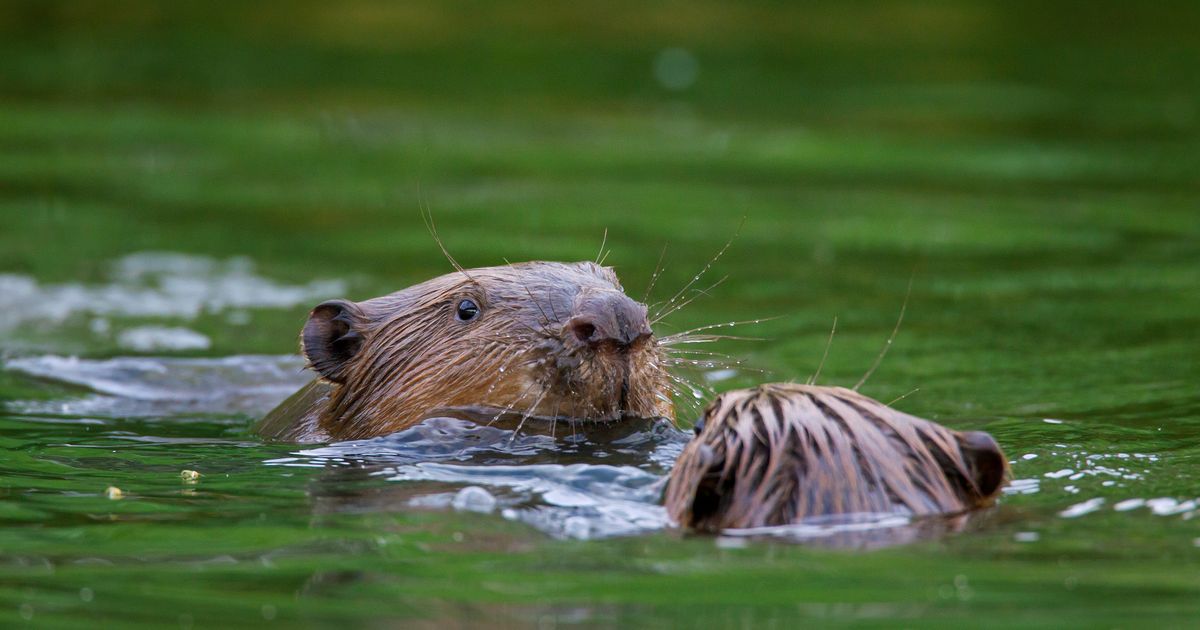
{"x":1034,"y":168}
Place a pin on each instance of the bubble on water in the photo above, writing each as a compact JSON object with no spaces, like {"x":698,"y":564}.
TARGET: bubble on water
{"x":1023,"y":486}
{"x":1029,"y":456}
{"x":1026,"y":537}
{"x":1083,"y":508}
{"x":1166,"y":506}
{"x":152,"y":338}
{"x":676,"y":68}
{"x":1128,"y":504}
{"x":474,"y":499}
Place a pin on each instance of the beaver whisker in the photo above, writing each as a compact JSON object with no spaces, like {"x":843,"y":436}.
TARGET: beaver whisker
{"x":712,"y":364}
{"x":534,"y":334}
{"x":717,"y":360}
{"x":745,"y":322}
{"x":671,"y":350}
{"x":706,"y":339}
{"x":554,"y":417}
{"x":668,"y":309}
{"x":545,"y":318}
{"x":575,"y":399}
{"x":701,"y":361}
{"x":602,"y":255}
{"x":813,"y":379}
{"x":501,"y":370}
{"x":902,"y":397}
{"x":528,"y":413}
{"x":449,"y":366}
{"x":513,"y":404}
{"x":697,"y":391}
{"x":891,"y":338}
{"x":707,"y":266}
{"x":658,"y":269}
{"x":432,"y":227}
{"x":603,"y":242}
{"x":557,"y":318}
{"x":697,"y":294}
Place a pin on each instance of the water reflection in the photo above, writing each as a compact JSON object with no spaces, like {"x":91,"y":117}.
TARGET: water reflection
{"x":554,"y":483}
{"x":570,"y":481}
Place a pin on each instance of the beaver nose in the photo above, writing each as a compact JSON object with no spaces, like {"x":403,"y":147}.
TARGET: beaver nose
{"x":609,"y":317}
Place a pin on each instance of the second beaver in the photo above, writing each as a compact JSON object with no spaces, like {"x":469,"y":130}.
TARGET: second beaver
{"x":780,"y":453}
{"x":542,"y":339}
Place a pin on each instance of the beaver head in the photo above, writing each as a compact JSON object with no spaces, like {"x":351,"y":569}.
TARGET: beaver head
{"x":780,"y":453}
{"x":541,"y":339}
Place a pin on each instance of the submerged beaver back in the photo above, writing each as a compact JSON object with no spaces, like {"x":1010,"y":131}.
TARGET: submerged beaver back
{"x":780,"y":453}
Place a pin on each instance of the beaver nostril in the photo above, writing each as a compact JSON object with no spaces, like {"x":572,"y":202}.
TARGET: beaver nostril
{"x":584,"y":331}
{"x":609,"y":319}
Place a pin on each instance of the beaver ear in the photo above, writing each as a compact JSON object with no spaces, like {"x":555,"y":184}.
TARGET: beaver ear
{"x":987,"y":462}
{"x":332,"y":337}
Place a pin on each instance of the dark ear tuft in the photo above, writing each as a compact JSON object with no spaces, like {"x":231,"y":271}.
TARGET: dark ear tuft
{"x":987,"y":462}
{"x":332,"y":337}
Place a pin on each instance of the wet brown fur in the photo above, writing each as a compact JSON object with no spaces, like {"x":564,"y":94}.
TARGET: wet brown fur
{"x":389,"y":362}
{"x":780,"y":453}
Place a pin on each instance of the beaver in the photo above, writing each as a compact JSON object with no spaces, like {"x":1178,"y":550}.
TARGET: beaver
{"x":547,"y":340}
{"x":781,"y":453}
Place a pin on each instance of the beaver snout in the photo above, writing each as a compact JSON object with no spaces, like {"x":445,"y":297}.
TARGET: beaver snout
{"x":608,"y":318}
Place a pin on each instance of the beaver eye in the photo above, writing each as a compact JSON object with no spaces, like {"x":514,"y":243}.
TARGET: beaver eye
{"x":467,"y":310}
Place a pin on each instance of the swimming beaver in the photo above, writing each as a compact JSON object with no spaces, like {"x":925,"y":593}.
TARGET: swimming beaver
{"x":543,"y":339}
{"x":780,"y":453}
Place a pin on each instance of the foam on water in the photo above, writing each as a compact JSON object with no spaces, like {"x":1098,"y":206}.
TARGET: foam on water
{"x":156,"y":386}
{"x":151,"y":338}
{"x":155,"y":285}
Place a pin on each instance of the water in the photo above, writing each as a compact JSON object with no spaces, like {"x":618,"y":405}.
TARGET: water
{"x":178,"y":187}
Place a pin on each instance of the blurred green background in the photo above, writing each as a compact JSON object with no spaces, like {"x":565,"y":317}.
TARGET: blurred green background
{"x":1034,"y":167}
